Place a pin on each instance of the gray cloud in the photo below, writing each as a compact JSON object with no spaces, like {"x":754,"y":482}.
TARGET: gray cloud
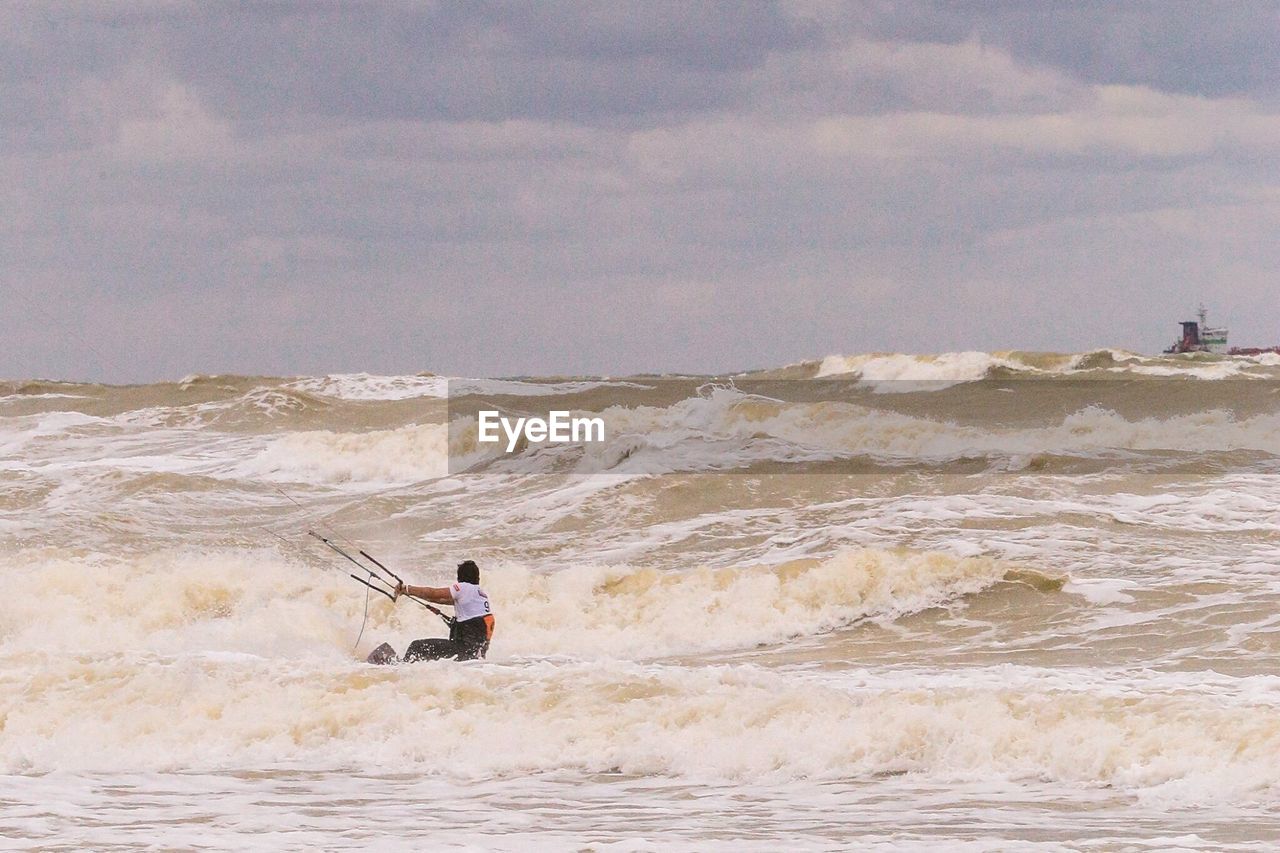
{"x":475,"y":188}
{"x":1215,"y":48}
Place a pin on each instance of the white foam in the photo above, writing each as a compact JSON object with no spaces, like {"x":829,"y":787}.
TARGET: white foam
{"x":890,"y":372}
{"x":365,"y":386}
{"x":518,"y":388}
{"x":1100,"y":590}
{"x":725,"y":428}
{"x":627,"y":612}
{"x":706,"y":723}
{"x":255,"y":603}
{"x":4,"y":398}
{"x":939,"y":371}
{"x":374,"y":458}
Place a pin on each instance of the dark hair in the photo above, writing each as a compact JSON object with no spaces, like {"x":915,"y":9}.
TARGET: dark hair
{"x":468,"y":572}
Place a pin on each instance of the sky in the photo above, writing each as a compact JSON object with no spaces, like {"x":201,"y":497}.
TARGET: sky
{"x":485,"y":189}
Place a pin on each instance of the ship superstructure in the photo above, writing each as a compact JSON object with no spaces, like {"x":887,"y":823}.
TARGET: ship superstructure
{"x":1198,"y":336}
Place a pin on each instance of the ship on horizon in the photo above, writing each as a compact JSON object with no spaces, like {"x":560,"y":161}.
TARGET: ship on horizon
{"x":1199,"y":336}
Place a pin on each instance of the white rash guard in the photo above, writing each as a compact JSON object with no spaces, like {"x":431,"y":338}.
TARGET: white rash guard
{"x":469,"y":601}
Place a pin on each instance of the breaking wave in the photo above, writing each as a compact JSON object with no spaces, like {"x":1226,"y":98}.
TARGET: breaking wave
{"x":914,"y":372}
{"x":726,"y":430}
{"x":256,"y":603}
{"x":717,"y":723}
{"x":683,"y":628}
{"x":377,"y":457}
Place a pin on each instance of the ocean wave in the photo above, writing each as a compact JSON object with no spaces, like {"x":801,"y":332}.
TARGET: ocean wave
{"x":19,"y":433}
{"x":632,"y":613}
{"x":370,"y":387}
{"x":43,"y":388}
{"x":253,"y":602}
{"x":273,"y":434}
{"x":739,"y":723}
{"x":937,"y":371}
{"x":726,"y":429}
{"x":377,"y":457}
{"x":366,"y":386}
{"x":909,"y":372}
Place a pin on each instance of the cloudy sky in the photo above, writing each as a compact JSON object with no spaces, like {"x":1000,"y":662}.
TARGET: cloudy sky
{"x":531,"y":188}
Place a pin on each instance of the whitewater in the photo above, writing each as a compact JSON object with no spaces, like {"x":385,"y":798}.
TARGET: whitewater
{"x":967,"y":601}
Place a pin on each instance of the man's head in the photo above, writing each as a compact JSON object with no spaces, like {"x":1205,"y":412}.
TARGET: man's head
{"x":468,"y":572}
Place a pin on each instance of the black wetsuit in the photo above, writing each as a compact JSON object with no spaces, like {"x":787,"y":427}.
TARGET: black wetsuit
{"x":468,"y":640}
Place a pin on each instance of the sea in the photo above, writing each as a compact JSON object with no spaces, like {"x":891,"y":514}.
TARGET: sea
{"x":971,"y":601}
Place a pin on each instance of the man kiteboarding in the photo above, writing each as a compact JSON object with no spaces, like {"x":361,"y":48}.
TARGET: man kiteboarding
{"x":469,"y":632}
